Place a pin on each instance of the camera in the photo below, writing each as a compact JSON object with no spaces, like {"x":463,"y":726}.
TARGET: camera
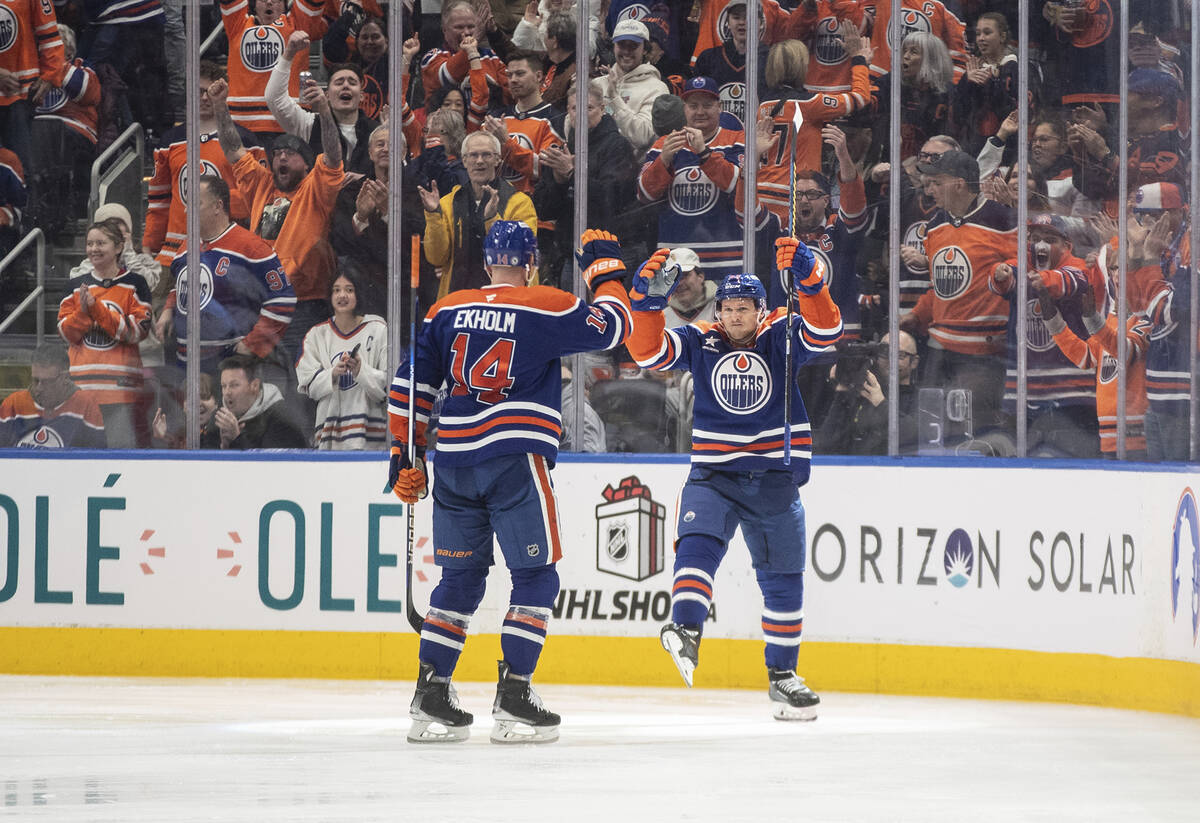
{"x":854,"y":358}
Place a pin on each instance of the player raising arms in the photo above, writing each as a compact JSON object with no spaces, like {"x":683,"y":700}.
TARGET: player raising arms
{"x":497,"y":349}
{"x":738,"y":475}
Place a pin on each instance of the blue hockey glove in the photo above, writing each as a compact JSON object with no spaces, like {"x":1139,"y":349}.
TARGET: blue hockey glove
{"x":795,"y":257}
{"x":599,"y":257}
{"x":405,"y":480}
{"x":654,"y":283}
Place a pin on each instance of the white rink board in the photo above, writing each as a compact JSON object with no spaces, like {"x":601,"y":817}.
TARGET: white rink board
{"x":1058,"y":560}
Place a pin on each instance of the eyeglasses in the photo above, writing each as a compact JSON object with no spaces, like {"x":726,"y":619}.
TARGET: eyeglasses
{"x":1046,"y":138}
{"x":928,"y":156}
{"x":811,"y":194}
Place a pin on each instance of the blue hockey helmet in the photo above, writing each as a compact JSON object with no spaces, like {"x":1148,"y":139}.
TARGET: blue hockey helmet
{"x":510,"y":243}
{"x":742,"y":285}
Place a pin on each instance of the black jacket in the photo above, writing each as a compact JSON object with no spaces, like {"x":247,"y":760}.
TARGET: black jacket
{"x":358,"y":160}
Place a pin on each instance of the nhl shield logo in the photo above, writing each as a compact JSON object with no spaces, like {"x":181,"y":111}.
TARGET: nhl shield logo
{"x":629,"y":531}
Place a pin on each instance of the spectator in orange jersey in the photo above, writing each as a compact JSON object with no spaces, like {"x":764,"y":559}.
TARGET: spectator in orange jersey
{"x":449,"y":65}
{"x":292,"y":204}
{"x":964,"y":240}
{"x":30,"y":64}
{"x":64,"y":143}
{"x":258,"y":31}
{"x":52,"y":412}
{"x":103,"y":317}
{"x":166,"y":211}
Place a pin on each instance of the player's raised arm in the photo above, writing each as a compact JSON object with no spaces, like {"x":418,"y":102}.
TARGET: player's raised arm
{"x":821,"y":321}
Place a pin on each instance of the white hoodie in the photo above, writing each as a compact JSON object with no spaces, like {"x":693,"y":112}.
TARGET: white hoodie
{"x":630,"y":99}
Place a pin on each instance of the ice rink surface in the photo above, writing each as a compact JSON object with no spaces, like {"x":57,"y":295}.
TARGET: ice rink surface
{"x":106,"y":749}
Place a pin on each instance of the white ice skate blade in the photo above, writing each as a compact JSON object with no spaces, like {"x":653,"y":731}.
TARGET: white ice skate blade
{"x":431,"y":731}
{"x":508,"y":730}
{"x":673,"y":643}
{"x":786,"y":711}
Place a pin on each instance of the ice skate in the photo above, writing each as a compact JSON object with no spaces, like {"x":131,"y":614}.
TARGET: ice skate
{"x":790,"y":698}
{"x":436,"y":715}
{"x":683,"y":644}
{"x":519,"y":714}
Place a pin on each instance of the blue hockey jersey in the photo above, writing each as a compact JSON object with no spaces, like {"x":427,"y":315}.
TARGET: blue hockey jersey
{"x":739,"y":392}
{"x":497,"y":350}
{"x":244,"y":295}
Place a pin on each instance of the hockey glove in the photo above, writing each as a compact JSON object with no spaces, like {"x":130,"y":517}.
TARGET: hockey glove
{"x":796,"y":257}
{"x":405,"y":480}
{"x":599,"y":257}
{"x":654,"y":283}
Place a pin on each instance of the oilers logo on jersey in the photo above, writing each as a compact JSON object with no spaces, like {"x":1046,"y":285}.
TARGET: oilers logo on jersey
{"x":261,"y":48}
{"x":207,"y":167}
{"x":733,"y":100}
{"x":521,"y":139}
{"x":827,"y":43}
{"x":206,"y":288}
{"x":97,"y":338}
{"x":634,"y":11}
{"x":914,"y":236}
{"x":1037,"y":336}
{"x":347,"y":380}
{"x":1108,"y":368}
{"x":950,"y":273}
{"x":741,"y":382}
{"x":53,"y":100}
{"x":912,"y":21}
{"x":9,"y":27}
{"x":43,"y":437}
{"x":692,"y":192}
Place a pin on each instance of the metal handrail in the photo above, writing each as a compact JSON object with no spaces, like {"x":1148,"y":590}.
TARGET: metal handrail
{"x":134,"y":131}
{"x":212,"y":38}
{"x":39,"y":292}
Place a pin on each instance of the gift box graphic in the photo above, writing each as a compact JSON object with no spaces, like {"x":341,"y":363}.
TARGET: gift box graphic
{"x":630,"y":531}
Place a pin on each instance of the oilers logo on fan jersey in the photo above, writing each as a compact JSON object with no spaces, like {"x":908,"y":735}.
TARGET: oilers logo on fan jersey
{"x":8,"y":28}
{"x":98,"y":338}
{"x":912,"y":22}
{"x":914,"y":236}
{"x":261,"y":48}
{"x":741,"y":382}
{"x":182,"y":288}
{"x":53,"y":100}
{"x":733,"y":100}
{"x":207,"y":167}
{"x":827,"y":43}
{"x":692,"y":193}
{"x":1037,"y":336}
{"x":44,"y":438}
{"x":1108,"y":369}
{"x":950,"y":273}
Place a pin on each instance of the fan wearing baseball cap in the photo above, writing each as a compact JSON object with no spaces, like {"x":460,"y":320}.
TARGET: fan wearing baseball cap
{"x":695,"y":172}
{"x":965,"y":238}
{"x":1161,"y":279}
{"x":632,"y":85}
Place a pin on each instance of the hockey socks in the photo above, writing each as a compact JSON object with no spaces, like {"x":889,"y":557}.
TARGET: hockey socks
{"x":524,"y":631}
{"x":782,"y":617}
{"x":453,"y":602}
{"x":697,"y":557}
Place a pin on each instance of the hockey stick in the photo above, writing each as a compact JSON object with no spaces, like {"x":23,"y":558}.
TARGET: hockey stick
{"x":414,"y":617}
{"x":797,"y":122}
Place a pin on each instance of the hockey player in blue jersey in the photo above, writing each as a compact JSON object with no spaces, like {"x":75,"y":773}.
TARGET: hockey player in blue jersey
{"x":497,"y":350}
{"x":739,"y":477}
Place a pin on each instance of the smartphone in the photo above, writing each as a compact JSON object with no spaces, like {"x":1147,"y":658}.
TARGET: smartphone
{"x":354,"y":351}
